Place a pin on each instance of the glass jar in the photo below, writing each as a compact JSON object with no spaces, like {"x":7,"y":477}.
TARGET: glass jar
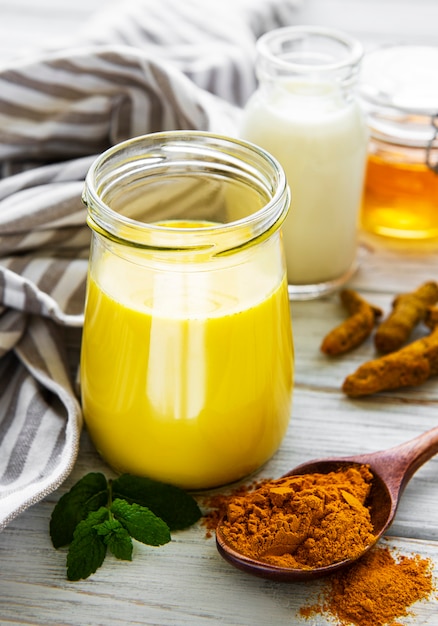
{"x":399,"y":90}
{"x":187,"y":356}
{"x":306,"y":114}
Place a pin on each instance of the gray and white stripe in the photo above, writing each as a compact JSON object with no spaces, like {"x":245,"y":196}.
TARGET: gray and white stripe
{"x":142,"y":66}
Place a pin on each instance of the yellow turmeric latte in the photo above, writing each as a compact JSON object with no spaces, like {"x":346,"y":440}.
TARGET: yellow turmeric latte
{"x":191,"y":388}
{"x":305,"y":521}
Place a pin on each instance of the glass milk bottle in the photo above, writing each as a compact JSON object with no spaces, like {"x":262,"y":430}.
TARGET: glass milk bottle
{"x":186,"y":361}
{"x":305,"y":114}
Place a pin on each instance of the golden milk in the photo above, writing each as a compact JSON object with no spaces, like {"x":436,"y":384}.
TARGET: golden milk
{"x":197,"y":400}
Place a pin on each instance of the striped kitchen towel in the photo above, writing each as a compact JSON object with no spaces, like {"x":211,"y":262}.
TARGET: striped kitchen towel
{"x":138,"y":67}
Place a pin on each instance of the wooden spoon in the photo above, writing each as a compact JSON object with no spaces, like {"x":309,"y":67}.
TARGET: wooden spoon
{"x":392,"y":469}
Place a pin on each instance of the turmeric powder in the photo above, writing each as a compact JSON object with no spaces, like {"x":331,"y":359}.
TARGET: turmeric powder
{"x":215,"y":504}
{"x":355,"y":329}
{"x":376,"y":590}
{"x":409,"y":366}
{"x":407,"y":310}
{"x":305,"y":521}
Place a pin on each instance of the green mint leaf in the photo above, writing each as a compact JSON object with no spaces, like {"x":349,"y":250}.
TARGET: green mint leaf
{"x":116,"y":538}
{"x":87,"y":551}
{"x":88,"y":494}
{"x":141,"y":523}
{"x":176,"y":507}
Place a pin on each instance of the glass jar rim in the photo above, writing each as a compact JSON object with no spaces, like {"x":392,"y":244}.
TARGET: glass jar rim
{"x":258,"y":164}
{"x":401,"y":77}
{"x":399,"y":92}
{"x":284,"y":34}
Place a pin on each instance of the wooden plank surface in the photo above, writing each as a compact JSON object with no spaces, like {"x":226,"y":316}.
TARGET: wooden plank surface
{"x":186,"y":582}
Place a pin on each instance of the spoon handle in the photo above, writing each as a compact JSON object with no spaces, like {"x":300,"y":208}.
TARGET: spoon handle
{"x":399,"y":464}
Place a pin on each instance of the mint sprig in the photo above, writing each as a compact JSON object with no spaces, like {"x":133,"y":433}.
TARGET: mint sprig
{"x":88,"y":494}
{"x":170,"y":503}
{"x":97,"y":515}
{"x":87,"y":551}
{"x":116,"y":538}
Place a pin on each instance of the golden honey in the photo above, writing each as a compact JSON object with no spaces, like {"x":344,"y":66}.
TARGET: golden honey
{"x":400,"y":199}
{"x":399,"y":92}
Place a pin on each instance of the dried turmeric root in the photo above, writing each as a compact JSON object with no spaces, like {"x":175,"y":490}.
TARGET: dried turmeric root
{"x":409,"y":366}
{"x":408,"y":309}
{"x":431,"y":317}
{"x":355,"y":329}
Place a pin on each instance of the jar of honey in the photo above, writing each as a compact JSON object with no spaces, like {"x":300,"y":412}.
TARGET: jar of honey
{"x":399,"y":91}
{"x":187,"y":355}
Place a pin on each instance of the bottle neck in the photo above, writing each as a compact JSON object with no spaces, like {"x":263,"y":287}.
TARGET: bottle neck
{"x":182,"y":192}
{"x":309,"y":63}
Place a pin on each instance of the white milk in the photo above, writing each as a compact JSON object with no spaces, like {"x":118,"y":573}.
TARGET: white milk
{"x":321,"y":141}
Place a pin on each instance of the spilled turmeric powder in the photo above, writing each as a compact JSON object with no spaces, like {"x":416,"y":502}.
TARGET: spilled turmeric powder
{"x":376,"y":590}
{"x":303,"y":522}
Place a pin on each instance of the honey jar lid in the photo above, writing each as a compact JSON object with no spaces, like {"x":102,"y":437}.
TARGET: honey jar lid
{"x":399,"y":92}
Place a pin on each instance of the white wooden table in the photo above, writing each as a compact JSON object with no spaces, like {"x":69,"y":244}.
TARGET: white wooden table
{"x":186,"y":583}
